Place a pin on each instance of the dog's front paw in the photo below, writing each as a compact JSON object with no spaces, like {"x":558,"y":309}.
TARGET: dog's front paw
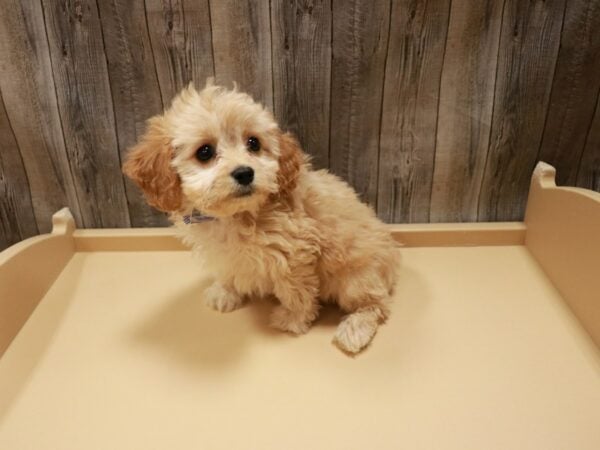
{"x":286,"y":320}
{"x":220,"y":299}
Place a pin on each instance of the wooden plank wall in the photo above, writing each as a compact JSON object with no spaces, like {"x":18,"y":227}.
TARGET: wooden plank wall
{"x":433,"y":110}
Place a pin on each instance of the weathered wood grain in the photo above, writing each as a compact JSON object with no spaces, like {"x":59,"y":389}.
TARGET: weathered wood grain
{"x":180,"y":34}
{"x":134,"y":85}
{"x":85,"y":105}
{"x":465,"y":109}
{"x":359,"y":49}
{"x":529,"y":44}
{"x":573,"y":99}
{"x":588,"y":174}
{"x":17,"y":220}
{"x":410,"y":102}
{"x":241,"y":36}
{"x":27,"y":86}
{"x":434,"y":111}
{"x":302,"y":72}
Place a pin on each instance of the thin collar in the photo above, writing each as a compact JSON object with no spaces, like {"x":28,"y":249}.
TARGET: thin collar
{"x":196,"y":217}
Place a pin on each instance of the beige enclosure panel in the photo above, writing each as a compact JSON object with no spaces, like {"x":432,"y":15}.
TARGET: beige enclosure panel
{"x":27,"y":270}
{"x":121,"y":353}
{"x":481,"y":351}
{"x":563,"y":233}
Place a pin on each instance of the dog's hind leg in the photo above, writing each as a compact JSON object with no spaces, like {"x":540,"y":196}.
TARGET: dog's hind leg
{"x":365,"y":296}
{"x":357,"y":329}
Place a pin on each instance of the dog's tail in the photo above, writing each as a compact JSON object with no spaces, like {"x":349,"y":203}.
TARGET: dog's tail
{"x":357,"y":329}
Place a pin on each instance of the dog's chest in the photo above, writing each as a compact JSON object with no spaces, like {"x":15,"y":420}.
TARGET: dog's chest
{"x":251,"y":263}
{"x":255,"y":259}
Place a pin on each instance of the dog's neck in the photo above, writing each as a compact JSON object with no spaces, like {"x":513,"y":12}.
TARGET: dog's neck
{"x":245,"y":221}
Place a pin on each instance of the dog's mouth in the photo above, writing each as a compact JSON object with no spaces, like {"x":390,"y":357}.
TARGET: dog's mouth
{"x":243,"y":191}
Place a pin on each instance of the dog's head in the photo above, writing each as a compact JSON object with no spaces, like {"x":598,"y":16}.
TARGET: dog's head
{"x":217,"y":151}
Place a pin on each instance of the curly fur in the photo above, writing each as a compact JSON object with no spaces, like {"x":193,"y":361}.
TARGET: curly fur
{"x":302,"y":235}
{"x":149,"y":166}
{"x":290,"y":161}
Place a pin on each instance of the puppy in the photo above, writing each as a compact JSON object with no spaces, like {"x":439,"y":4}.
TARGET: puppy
{"x":269,"y":224}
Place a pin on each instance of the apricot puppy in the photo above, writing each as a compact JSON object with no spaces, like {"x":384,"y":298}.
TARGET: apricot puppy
{"x":242,"y":193}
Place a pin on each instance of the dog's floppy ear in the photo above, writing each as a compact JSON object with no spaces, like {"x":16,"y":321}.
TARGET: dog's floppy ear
{"x":291,"y":159}
{"x":148,"y":164}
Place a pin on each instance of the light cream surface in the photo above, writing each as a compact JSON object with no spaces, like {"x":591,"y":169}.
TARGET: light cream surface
{"x":28,"y":269}
{"x":480,"y":352}
{"x":563,"y":235}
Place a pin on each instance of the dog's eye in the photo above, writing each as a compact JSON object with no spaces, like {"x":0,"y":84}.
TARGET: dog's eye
{"x":205,"y":153}
{"x":253,"y":144}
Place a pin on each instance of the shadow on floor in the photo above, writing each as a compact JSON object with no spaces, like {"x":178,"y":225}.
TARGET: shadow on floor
{"x":191,"y":334}
{"x":187,"y":332}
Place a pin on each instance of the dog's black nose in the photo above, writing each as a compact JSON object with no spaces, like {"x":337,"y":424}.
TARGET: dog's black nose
{"x":243,"y":175}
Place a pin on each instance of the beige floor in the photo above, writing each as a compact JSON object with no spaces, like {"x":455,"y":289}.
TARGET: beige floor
{"x":480,"y":353}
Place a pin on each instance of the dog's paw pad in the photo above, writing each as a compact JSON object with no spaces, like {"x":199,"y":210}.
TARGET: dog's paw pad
{"x":219,"y":299}
{"x":354,"y":333}
{"x":285,"y":320}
